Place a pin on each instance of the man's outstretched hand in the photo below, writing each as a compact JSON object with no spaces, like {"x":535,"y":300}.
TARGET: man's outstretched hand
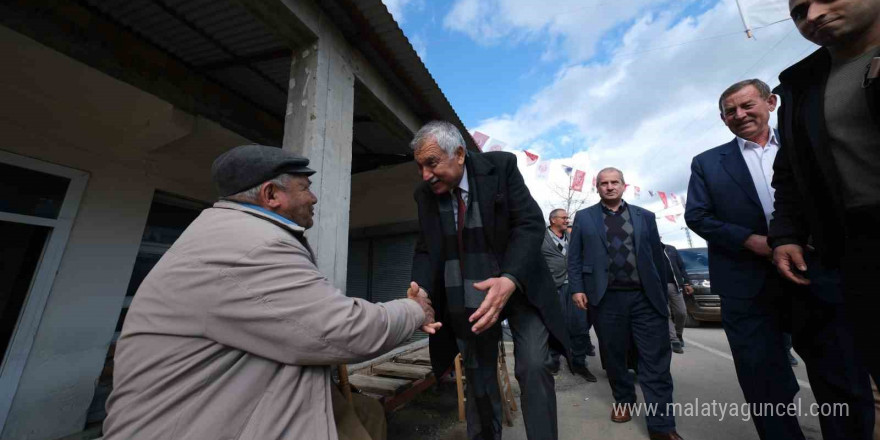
{"x":418,"y":295}
{"x":499,"y":291}
{"x":788,"y":257}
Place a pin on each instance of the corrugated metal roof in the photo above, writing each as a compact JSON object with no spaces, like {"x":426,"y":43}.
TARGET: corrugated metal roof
{"x":219,"y":38}
{"x":224,"y":41}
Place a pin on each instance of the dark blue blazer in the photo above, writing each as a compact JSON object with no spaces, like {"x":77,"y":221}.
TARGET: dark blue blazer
{"x":588,"y":256}
{"x":723,"y":207}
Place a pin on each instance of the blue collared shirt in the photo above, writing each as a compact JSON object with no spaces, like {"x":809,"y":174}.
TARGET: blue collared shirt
{"x":274,"y":215}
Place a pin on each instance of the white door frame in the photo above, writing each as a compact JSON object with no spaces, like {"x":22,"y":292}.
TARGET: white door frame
{"x":25,"y":332}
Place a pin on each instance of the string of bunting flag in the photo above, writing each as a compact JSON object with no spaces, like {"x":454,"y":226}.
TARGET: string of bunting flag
{"x":673,"y":208}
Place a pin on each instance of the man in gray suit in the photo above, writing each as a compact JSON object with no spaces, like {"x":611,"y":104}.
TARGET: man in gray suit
{"x":555,"y":248}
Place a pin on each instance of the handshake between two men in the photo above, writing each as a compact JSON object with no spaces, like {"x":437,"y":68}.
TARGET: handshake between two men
{"x":498,"y":291}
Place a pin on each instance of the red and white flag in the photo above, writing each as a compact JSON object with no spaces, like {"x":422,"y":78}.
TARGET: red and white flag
{"x":637,"y":192}
{"x":663,"y":199}
{"x":670,"y":218}
{"x":543,"y":169}
{"x":577,"y":183}
{"x":675,"y":201}
{"x":531,"y":158}
{"x":594,"y":184}
{"x":480,"y":139}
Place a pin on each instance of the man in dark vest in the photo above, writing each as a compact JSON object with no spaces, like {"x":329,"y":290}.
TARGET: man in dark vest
{"x":616,"y":266}
{"x":478,"y":258}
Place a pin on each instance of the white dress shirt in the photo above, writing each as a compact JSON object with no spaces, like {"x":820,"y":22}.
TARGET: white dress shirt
{"x":759,"y":159}
{"x":465,"y":188}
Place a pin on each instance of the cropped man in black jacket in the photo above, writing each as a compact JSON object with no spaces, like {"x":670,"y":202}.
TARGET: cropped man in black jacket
{"x":827,"y":176}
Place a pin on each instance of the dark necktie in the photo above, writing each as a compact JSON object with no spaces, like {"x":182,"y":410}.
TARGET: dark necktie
{"x":462,"y":209}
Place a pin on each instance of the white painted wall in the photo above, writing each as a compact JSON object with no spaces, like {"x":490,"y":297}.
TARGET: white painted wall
{"x":131,"y":144}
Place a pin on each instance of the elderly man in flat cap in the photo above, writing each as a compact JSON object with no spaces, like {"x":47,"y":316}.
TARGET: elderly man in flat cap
{"x":233,"y":332}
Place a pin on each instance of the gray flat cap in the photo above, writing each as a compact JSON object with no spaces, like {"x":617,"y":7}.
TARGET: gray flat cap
{"x":247,"y":166}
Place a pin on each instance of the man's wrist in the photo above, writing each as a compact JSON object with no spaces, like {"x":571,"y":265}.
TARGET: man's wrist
{"x":512,"y":278}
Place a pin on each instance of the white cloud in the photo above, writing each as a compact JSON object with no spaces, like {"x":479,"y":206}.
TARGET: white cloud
{"x":651,"y":105}
{"x":421,"y":46}
{"x":573,"y":26}
{"x":396,"y":7}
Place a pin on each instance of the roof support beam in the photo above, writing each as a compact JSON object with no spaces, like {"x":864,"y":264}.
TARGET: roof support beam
{"x":270,"y":55}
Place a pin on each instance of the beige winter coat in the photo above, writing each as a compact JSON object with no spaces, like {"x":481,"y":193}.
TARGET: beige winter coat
{"x":231,"y":336}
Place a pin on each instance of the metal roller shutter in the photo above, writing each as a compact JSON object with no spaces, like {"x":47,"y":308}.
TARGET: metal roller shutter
{"x":357,"y":282}
{"x":392,"y":266}
{"x":392,"y":270}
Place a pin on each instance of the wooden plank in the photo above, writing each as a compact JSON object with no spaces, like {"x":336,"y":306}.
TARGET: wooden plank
{"x":408,"y":371}
{"x":399,"y":400}
{"x":388,"y":357}
{"x":379,"y":385}
{"x":422,"y":357}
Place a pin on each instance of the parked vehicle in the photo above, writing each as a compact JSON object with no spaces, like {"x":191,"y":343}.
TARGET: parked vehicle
{"x":702,"y":305}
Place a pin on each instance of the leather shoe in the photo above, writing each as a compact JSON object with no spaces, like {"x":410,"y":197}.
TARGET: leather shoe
{"x":621,"y":413}
{"x":664,"y":435}
{"x":676,"y":347}
{"x":584,"y":372}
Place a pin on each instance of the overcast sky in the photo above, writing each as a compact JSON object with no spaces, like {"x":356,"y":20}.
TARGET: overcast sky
{"x":592,"y":83}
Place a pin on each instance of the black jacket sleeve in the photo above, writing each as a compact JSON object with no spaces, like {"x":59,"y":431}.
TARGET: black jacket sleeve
{"x":789,"y":224}
{"x":526,"y":226}
{"x":422,"y":272}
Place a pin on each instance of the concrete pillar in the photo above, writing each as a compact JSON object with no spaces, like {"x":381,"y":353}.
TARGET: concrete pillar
{"x":318,"y":124}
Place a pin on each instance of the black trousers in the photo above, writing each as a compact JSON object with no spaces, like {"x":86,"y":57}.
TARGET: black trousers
{"x":860,"y":268}
{"x":577,"y":324}
{"x":821,"y":336}
{"x":532,"y":369}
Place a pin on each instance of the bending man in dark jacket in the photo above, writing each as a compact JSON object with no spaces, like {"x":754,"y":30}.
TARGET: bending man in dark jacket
{"x":479,"y":259}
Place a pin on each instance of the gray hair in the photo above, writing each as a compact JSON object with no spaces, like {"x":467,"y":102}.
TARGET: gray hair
{"x":762,"y":87}
{"x":555,"y":213}
{"x":447,"y":136}
{"x":607,"y":169}
{"x":252,"y":195}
